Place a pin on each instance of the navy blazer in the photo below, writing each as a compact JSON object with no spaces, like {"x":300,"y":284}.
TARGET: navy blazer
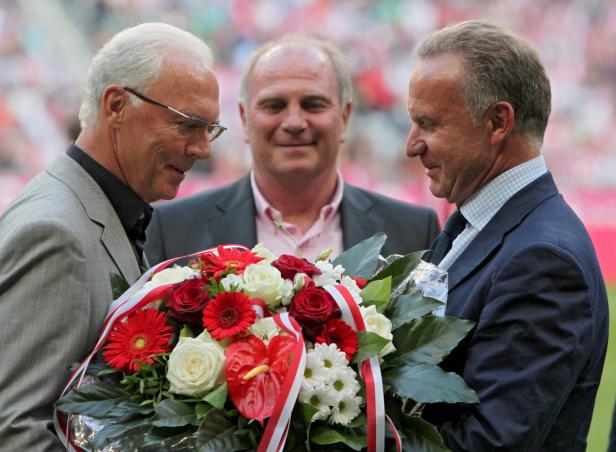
{"x":532,"y":282}
{"x":227,"y":215}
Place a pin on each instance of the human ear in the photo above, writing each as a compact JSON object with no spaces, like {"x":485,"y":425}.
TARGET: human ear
{"x":346,"y":114}
{"x":243,"y":113}
{"x":500,"y":119}
{"x":113,"y":105}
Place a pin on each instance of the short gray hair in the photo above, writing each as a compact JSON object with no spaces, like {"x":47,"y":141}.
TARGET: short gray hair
{"x":134,"y":57}
{"x":501,"y":66}
{"x":343,"y":76}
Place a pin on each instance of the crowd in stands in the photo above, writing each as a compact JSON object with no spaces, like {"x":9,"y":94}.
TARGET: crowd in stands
{"x":39,"y":82}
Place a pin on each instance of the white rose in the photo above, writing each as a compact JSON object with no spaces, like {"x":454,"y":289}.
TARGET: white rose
{"x":173,"y":275}
{"x":231,"y":281}
{"x":262,"y":251}
{"x":379,"y":324}
{"x":196,"y":365}
{"x":265,"y":282}
{"x":329,"y":273}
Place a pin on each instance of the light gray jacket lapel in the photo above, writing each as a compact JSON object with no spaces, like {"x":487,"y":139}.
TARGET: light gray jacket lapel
{"x":100,"y":211}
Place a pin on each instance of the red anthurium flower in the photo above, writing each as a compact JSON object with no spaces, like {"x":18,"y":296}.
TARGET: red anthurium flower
{"x":143,"y":334}
{"x":255,"y":373}
{"x":338,"y":332}
{"x":228,"y":314}
{"x":228,"y":258}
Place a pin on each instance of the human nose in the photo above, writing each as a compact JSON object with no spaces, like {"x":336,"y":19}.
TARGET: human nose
{"x":414,"y":145}
{"x":200,"y":148}
{"x":294,"y":121}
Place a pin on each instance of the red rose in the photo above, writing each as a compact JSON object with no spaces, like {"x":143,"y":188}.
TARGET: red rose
{"x":289,"y":266}
{"x":338,"y":332}
{"x":312,"y":307}
{"x":187,"y":300}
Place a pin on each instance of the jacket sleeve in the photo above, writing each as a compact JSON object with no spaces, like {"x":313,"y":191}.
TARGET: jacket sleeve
{"x":532,"y":342}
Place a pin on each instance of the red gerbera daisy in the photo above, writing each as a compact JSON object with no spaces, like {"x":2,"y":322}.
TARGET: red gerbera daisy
{"x":143,"y":334}
{"x":228,"y":258}
{"x":338,"y":332}
{"x":228,"y":314}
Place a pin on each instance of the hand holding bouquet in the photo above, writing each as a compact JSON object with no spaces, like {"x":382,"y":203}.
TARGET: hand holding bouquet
{"x":244,"y":350}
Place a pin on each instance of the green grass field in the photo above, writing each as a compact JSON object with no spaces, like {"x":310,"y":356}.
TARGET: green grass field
{"x":602,"y":417}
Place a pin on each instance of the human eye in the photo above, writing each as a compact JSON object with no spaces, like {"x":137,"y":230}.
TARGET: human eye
{"x":315,"y":104}
{"x":271,"y":105}
{"x":191,"y":127}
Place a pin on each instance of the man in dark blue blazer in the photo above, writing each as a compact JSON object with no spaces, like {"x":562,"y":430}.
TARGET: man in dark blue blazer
{"x":295,"y":106}
{"x":520,"y":262}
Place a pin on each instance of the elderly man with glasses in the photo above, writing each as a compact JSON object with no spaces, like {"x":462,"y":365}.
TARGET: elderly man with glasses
{"x":83,"y":219}
{"x":295,"y":106}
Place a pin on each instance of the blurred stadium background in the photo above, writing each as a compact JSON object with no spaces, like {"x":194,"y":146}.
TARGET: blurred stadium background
{"x":46,"y":46}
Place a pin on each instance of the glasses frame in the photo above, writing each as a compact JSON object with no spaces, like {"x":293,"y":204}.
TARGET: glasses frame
{"x":214,"y":129}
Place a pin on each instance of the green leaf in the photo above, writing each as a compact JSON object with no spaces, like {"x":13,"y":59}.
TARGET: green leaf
{"x":429,"y":339}
{"x":400,"y":268}
{"x":324,"y":436}
{"x":97,"y":400}
{"x":174,"y":413}
{"x":216,"y":433}
{"x":362,"y":259}
{"x":428,"y":383}
{"x":370,"y":344}
{"x":308,"y":412}
{"x":410,"y":307}
{"x":377,"y":293}
{"x":201,"y":409}
{"x":217,"y":397}
{"x":119,"y":285}
{"x":186,"y":332}
{"x":419,"y":435}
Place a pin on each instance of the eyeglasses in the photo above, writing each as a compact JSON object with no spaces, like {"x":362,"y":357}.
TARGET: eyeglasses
{"x":193,"y":125}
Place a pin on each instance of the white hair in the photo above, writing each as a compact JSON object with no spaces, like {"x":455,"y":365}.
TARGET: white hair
{"x":134,"y":57}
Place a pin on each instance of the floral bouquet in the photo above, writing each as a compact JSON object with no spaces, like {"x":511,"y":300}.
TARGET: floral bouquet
{"x":244,"y":350}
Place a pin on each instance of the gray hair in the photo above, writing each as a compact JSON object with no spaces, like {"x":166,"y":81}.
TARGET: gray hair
{"x":343,"y":76}
{"x":500,"y":67}
{"x":134,"y":57}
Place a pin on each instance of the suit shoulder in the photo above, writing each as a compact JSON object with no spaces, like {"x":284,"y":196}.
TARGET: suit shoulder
{"x":205,"y":201}
{"x":383,"y":202}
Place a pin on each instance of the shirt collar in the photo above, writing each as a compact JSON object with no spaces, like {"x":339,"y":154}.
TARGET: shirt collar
{"x":482,"y":205}
{"x":134,"y":213}
{"x":266,"y":210}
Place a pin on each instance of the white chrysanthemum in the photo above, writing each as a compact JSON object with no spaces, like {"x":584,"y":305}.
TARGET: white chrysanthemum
{"x":352,"y":287}
{"x":232,"y":283}
{"x":315,"y":373}
{"x":174,"y":275}
{"x":321,"y":397}
{"x":329,"y":273}
{"x":345,"y":383}
{"x":379,"y":324}
{"x":262,"y":251}
{"x":286,"y":292}
{"x":345,"y":411}
{"x":331,"y":356}
{"x":264,"y":329}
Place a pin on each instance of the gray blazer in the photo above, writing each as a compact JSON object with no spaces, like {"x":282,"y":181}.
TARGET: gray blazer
{"x":60,"y":240}
{"x":227,"y":215}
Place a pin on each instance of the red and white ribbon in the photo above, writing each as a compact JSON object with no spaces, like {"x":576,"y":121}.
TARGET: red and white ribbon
{"x":134,"y":298}
{"x":370,"y":370}
{"x":275,"y":434}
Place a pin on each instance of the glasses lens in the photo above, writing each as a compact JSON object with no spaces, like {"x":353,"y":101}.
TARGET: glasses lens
{"x":215,"y":131}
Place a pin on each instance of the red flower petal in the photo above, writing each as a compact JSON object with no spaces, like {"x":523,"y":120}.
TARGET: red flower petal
{"x":227,"y":258}
{"x":143,"y":334}
{"x":229,"y":314}
{"x":338,"y":332}
{"x":255,"y":397}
